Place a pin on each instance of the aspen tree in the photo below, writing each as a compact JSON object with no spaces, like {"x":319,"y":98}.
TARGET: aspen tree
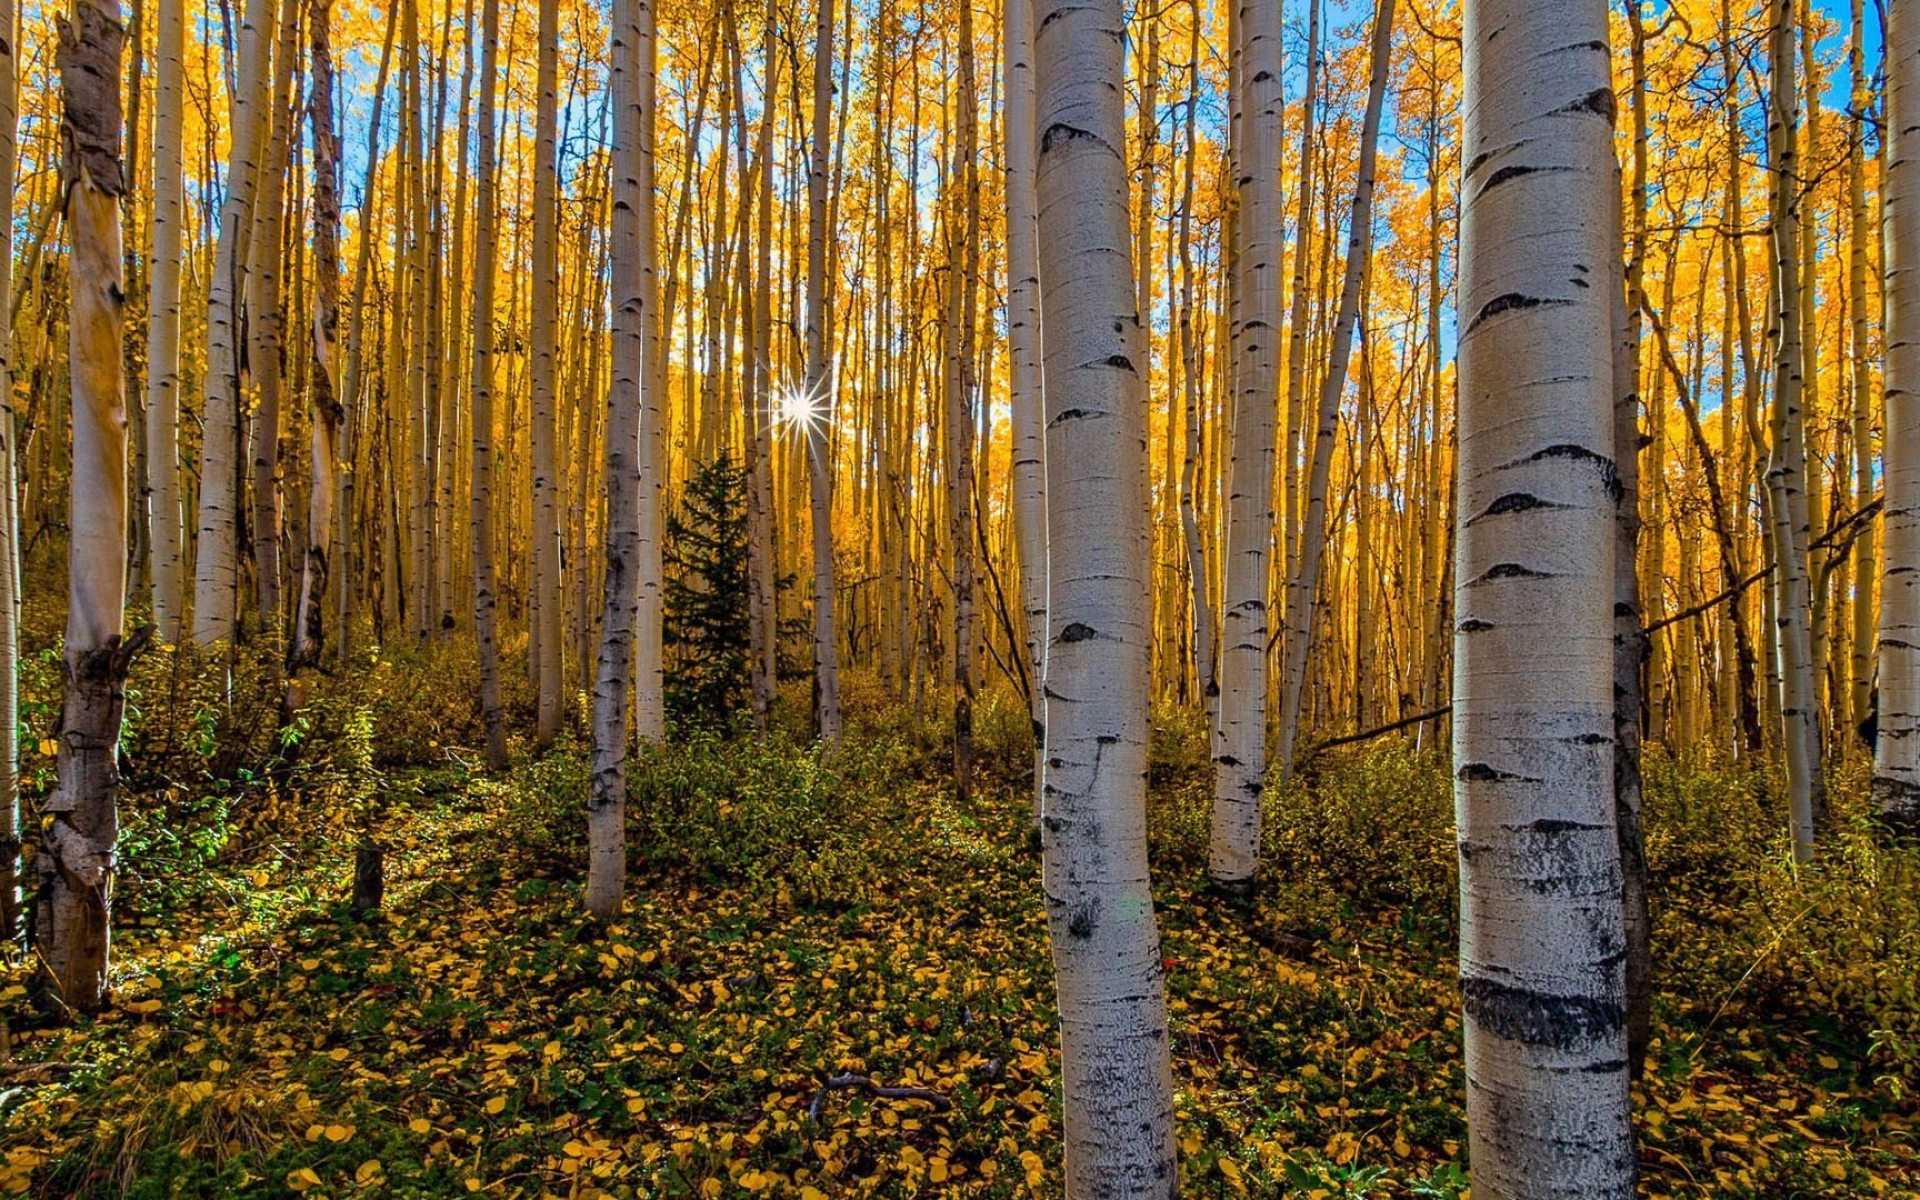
{"x":1199,"y":601}
{"x":1028,"y":464}
{"x":1859,"y":235}
{"x":1896,"y":767}
{"x":1540,"y":920}
{"x":650,"y":710}
{"x":480,"y":483}
{"x":1786,"y":465}
{"x":75,"y":863}
{"x":216,"y":571}
{"x":324,"y":431}
{"x":1240,"y":737}
{"x":963,"y":287}
{"x":1302,"y":588}
{"x":265,"y":321}
{"x":632,"y":314}
{"x":544,"y":607}
{"x":1115,"y":1067}
{"x":164,"y":515}
{"x":9,"y":494}
{"x":819,"y":389}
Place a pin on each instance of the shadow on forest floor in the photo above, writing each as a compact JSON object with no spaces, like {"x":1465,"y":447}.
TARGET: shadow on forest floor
{"x":792,"y":919}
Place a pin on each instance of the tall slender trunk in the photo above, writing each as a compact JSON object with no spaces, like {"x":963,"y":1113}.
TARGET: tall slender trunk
{"x":1115,"y":1066}
{"x":75,"y":862}
{"x":1860,"y":668}
{"x":1787,"y":465}
{"x":545,"y":608}
{"x":1896,"y":767}
{"x":1240,"y":735}
{"x":164,"y":518}
{"x":1629,"y":655}
{"x":9,"y":495}
{"x":1024,"y":339}
{"x":265,"y":322}
{"x":826,"y":652}
{"x":763,"y":596}
{"x":1313,"y":538}
{"x":963,"y":288}
{"x":480,"y":483}
{"x":632,"y":315}
{"x":1540,"y":923}
{"x":650,"y":701}
{"x":309,"y":626}
{"x":1200,"y":602}
{"x":216,"y":569}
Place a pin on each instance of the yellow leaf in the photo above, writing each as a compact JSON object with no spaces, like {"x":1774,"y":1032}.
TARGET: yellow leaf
{"x":809,"y":1192}
{"x":1837,"y":1170}
{"x":1034,"y":1167}
{"x":552,"y":1051}
{"x":710,"y":1188}
{"x":1829,"y":1063}
{"x":143,"y":1007}
{"x":338,"y":1054}
{"x":474,"y":1185}
{"x":420,"y":1125}
{"x":49,"y":747}
{"x":368,"y":1173}
{"x":302,"y":1179}
{"x":497,"y":1105}
{"x":309,"y":964}
{"x":937,"y":1170}
{"x":339,"y":1133}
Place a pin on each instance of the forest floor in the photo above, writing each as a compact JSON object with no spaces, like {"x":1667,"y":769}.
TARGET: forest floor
{"x":793,"y":919}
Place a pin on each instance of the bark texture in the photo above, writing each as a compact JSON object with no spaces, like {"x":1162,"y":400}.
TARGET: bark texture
{"x":1540,"y":944}
{"x":1896,"y":765}
{"x":1115,"y":1066}
{"x":75,"y":862}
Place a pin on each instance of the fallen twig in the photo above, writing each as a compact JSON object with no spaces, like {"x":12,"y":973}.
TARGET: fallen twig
{"x":939,"y":1101}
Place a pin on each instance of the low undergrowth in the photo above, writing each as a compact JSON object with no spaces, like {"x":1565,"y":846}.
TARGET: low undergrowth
{"x":799,"y":914}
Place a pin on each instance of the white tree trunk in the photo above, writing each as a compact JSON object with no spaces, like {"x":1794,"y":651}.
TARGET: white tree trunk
{"x":1896,"y":765}
{"x":265,"y":324}
{"x":164,"y":516}
{"x":632,"y":315}
{"x":1115,"y":1065}
{"x":826,"y":654}
{"x":650,"y":699}
{"x":480,"y":497}
{"x":1540,"y":934}
{"x":1787,"y":464}
{"x":75,"y":860}
{"x":1029,"y":464}
{"x":545,"y":610}
{"x":1240,"y":740}
{"x":1313,"y":539}
{"x":9,"y":496}
{"x":310,"y":617}
{"x":216,"y":569}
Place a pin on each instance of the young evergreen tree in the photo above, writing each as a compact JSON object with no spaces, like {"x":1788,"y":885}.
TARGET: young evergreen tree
{"x":708,"y":628}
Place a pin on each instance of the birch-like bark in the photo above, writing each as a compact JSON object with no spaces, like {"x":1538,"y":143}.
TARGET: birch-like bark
{"x":1313,"y":538}
{"x":1787,"y":464}
{"x":826,"y":653}
{"x":265,"y":324}
{"x":9,"y":495}
{"x":1200,"y":601}
{"x":1629,"y":661}
{"x":963,"y":228}
{"x":216,"y":570}
{"x":480,"y":483}
{"x":164,"y":516}
{"x":1540,"y":924}
{"x":1860,"y":669}
{"x":632,"y":314}
{"x":75,"y":862}
{"x":1115,"y":1065}
{"x":1240,"y":737}
{"x":650,"y":699}
{"x":309,"y":626}
{"x":545,"y":607}
{"x":1028,"y":465}
{"x":1896,"y":766}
